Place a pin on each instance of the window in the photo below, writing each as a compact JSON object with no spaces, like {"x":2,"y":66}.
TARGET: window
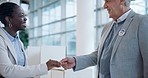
{"x":53,"y":22}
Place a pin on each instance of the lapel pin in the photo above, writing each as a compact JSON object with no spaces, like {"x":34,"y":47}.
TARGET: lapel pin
{"x":121,"y":32}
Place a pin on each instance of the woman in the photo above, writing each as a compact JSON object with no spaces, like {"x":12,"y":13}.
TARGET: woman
{"x":13,"y":63}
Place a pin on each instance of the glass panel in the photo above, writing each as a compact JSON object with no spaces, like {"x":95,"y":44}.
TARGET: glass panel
{"x":35,"y":4}
{"x":35,"y":19}
{"x":54,"y":28}
{"x":45,"y":30}
{"x":35,"y":32}
{"x":57,"y":27}
{"x":51,"y":29}
{"x":100,"y":3}
{"x":54,"y":40}
{"x":71,"y":43}
{"x":45,"y":15}
{"x":57,"y":40}
{"x":70,"y":8}
{"x":31,"y":35}
{"x":57,"y":11}
{"x":44,"y":2}
{"x":31,"y":42}
{"x":71,"y":24}
{"x":38,"y":41}
{"x":46,"y":40}
{"x":51,"y":13}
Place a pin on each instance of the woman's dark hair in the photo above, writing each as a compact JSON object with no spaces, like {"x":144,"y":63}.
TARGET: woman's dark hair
{"x":6,"y":9}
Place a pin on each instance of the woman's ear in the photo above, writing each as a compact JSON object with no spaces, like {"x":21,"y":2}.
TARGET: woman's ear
{"x":7,"y":19}
{"x":8,"y":22}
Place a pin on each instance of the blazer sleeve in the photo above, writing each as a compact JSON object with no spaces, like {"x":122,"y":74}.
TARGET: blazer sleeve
{"x":10,"y":70}
{"x":86,"y":61}
{"x":143,"y":43}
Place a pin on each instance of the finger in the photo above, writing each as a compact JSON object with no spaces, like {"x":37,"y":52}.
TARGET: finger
{"x":64,"y":60}
{"x":64,"y":63}
{"x":65,"y":68}
{"x":57,"y":64}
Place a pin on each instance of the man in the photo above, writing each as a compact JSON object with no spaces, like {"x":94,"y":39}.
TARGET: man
{"x":123,"y":48}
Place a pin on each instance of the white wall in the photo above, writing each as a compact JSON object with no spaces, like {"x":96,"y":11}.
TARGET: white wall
{"x":85,"y":27}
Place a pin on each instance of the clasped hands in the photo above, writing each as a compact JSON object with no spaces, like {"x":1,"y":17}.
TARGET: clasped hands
{"x":66,"y":63}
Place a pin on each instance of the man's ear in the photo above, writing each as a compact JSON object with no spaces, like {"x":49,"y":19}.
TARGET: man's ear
{"x":122,"y":2}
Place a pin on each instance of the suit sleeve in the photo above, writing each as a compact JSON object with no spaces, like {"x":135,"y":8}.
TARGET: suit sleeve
{"x":9,"y":70}
{"x":143,"y":42}
{"x":86,"y":61}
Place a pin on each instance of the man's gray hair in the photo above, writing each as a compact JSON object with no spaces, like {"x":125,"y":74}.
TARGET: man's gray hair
{"x":127,"y":3}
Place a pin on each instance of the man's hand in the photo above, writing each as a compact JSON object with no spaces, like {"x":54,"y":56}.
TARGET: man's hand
{"x":68,"y":63}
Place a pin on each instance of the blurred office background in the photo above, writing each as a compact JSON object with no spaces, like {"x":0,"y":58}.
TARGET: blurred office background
{"x":75,"y":24}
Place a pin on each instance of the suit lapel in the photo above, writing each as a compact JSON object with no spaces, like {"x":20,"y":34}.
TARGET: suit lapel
{"x":124,"y":27}
{"x":9,"y":44}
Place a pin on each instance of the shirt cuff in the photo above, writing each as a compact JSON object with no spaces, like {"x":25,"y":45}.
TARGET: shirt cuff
{"x":44,"y":69}
{"x":75,"y":64}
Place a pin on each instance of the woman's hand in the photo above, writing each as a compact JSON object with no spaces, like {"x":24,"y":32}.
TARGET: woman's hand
{"x":52,"y":63}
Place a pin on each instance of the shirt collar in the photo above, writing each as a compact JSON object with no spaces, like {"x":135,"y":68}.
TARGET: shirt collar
{"x":11,"y":37}
{"x":123,"y":17}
